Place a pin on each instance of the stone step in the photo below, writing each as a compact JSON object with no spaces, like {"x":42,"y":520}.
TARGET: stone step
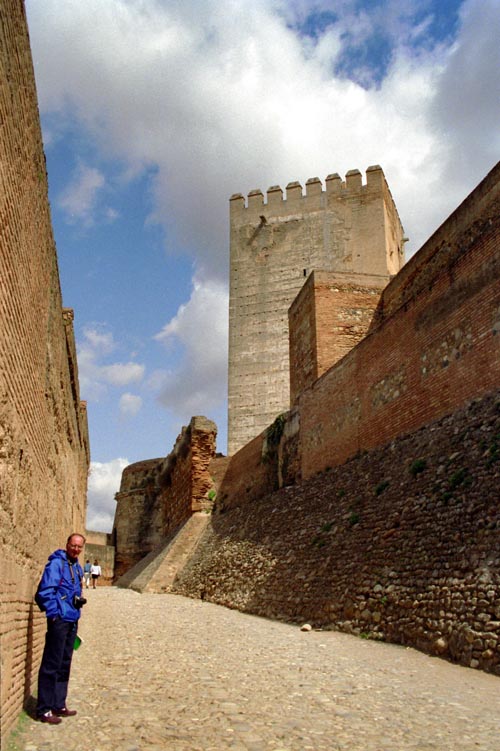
{"x":157,"y":570}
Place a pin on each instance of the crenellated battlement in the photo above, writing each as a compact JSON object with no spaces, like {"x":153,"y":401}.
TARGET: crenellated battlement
{"x":348,"y":225}
{"x":294,"y":192}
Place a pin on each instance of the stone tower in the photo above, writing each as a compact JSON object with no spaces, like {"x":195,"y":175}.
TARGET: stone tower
{"x":274,"y":246}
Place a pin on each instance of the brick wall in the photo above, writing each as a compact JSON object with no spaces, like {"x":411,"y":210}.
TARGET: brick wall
{"x":329,"y":316}
{"x":436,"y":343}
{"x":44,"y":450}
{"x":157,"y":496}
{"x":251,"y":473}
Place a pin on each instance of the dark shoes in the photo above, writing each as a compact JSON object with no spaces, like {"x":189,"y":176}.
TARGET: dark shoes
{"x":64,"y":712}
{"x":50,"y":717}
{"x":54,"y":717}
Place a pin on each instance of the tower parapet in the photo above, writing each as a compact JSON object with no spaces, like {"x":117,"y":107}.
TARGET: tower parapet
{"x":352,"y":187}
{"x":277,"y":240}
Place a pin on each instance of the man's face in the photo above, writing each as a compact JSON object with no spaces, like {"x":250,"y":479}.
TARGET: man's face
{"x":74,"y":546}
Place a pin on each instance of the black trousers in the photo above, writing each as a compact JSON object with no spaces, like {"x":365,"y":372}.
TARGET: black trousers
{"x":53,"y":676}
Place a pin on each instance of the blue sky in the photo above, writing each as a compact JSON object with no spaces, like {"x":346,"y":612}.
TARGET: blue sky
{"x":155,"y":111}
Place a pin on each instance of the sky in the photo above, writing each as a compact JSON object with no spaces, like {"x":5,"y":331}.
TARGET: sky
{"x":154,"y":112}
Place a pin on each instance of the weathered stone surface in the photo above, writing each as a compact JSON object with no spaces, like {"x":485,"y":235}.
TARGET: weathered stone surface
{"x":158,"y":496}
{"x":44,"y":445}
{"x":320,"y":552}
{"x":331,"y":314}
{"x":348,"y":227}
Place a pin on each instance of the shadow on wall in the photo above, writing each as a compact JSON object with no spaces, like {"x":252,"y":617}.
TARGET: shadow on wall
{"x":250,"y":473}
{"x":29,"y":660}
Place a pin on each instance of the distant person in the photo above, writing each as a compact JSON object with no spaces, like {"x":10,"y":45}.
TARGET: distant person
{"x":86,"y":573}
{"x":95,"y":572}
{"x":59,"y":594}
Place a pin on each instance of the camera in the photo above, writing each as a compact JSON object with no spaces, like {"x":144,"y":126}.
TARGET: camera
{"x":79,"y":602}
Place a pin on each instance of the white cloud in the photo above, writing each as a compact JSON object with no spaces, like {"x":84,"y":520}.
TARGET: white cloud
{"x":79,"y":198}
{"x":104,"y":482}
{"x":100,"y":340}
{"x":121,"y":374}
{"x":130,"y":404}
{"x":94,"y":375}
{"x":263,"y":105}
{"x":200,"y":327}
{"x":466,"y":108}
{"x":213,"y":99}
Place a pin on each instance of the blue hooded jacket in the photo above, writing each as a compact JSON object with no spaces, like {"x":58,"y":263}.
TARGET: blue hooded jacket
{"x":60,"y":582}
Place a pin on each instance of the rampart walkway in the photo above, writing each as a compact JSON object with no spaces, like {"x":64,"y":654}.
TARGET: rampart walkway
{"x":161,"y":673}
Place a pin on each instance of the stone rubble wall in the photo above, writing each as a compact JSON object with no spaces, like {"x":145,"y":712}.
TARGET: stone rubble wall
{"x":394,"y":532}
{"x":44,"y":446}
{"x":399,"y":543}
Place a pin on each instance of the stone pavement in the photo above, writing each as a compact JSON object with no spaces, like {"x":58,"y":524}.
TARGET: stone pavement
{"x":162,"y":672}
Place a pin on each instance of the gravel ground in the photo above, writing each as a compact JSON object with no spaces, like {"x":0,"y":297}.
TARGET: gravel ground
{"x":161,"y":672}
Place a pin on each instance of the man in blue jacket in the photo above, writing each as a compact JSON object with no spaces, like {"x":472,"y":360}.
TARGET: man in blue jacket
{"x":60,"y":595}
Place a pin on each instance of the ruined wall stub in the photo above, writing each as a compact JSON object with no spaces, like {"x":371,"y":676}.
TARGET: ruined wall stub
{"x":348,"y":227}
{"x":157,"y":496}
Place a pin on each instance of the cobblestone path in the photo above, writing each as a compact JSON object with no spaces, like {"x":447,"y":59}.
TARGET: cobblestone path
{"x":161,"y":673}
